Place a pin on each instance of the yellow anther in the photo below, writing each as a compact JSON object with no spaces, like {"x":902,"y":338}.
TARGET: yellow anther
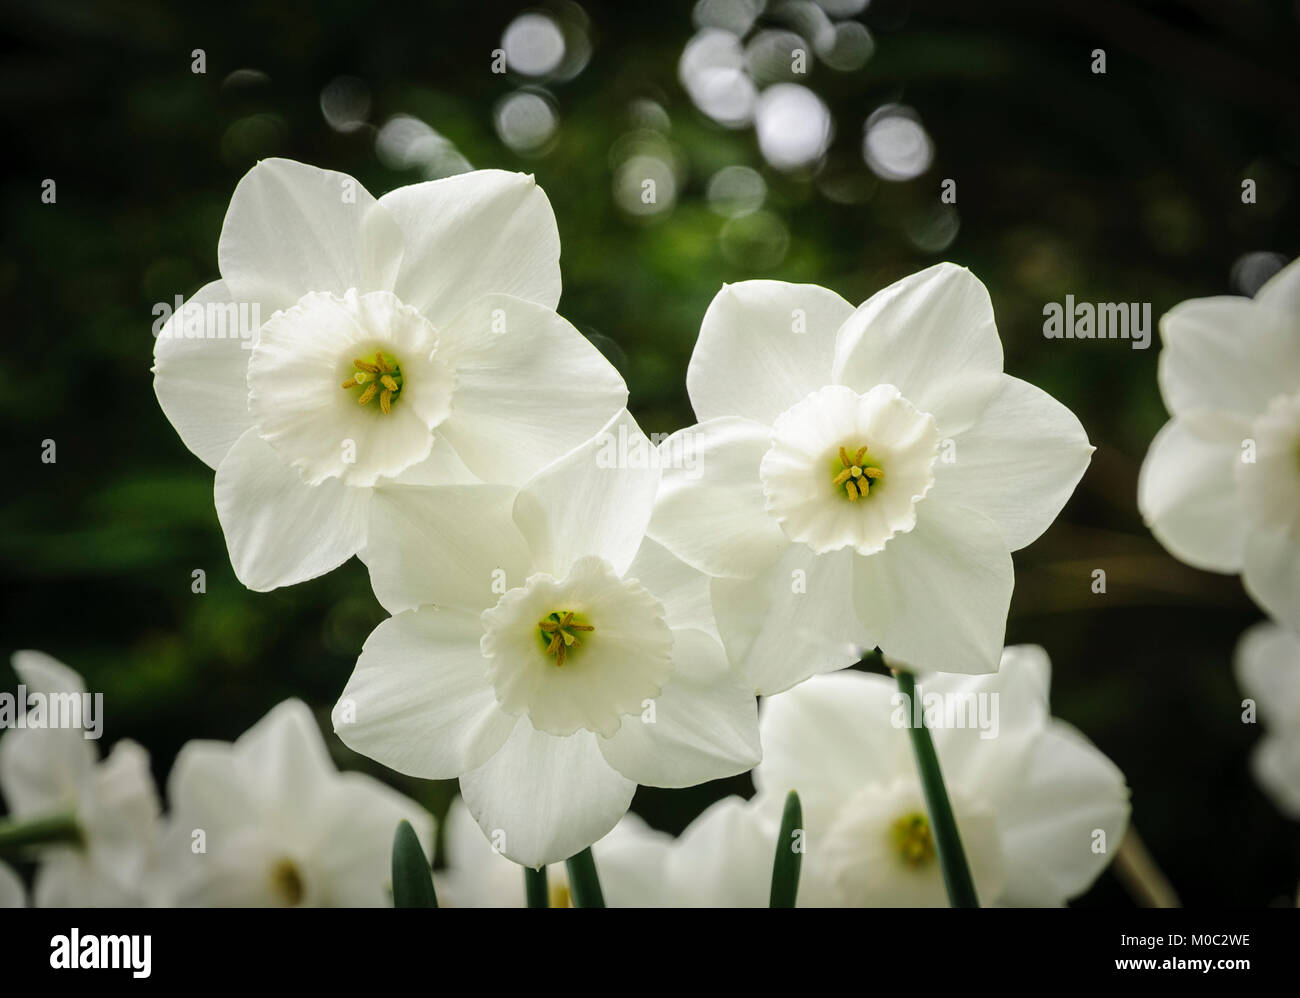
{"x":561,"y":633}
{"x":377,"y":378}
{"x":856,"y":473}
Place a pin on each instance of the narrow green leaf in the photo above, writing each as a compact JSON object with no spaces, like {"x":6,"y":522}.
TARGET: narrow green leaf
{"x":943,"y":826}
{"x":57,"y":829}
{"x":536,"y":889}
{"x":584,"y":884}
{"x":412,"y":878}
{"x":789,"y":855}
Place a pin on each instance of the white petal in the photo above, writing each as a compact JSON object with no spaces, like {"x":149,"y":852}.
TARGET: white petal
{"x":46,"y":674}
{"x":931,"y":335}
{"x":703,"y":726}
{"x":419,"y":700}
{"x":1019,"y":463}
{"x":763,"y":346}
{"x":120,"y":816}
{"x":1275,"y":764}
{"x":1282,"y":290}
{"x":529,"y":387}
{"x":711,"y":512}
{"x":828,"y":737}
{"x":285,"y":758}
{"x":1187,"y":490}
{"x":1267,"y":663}
{"x":1069,"y":791}
{"x":475,"y":234}
{"x":592,"y":501}
{"x":632,"y":861}
{"x":353,"y":852}
{"x":201,"y":371}
{"x":683,"y":591}
{"x":794,"y":620}
{"x":44,"y":770}
{"x":548,"y":797}
{"x":451,"y":545}
{"x":724,"y":857}
{"x":293,"y":228}
{"x":1271,"y":573}
{"x":1227,"y":353}
{"x":306,"y":354}
{"x":278,"y":530}
{"x":12,"y":894}
{"x":937,"y":598}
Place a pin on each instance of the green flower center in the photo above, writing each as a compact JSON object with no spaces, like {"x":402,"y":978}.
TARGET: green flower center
{"x":857,"y":472}
{"x":912,"y":838}
{"x":559,"y":633}
{"x":379,"y":377}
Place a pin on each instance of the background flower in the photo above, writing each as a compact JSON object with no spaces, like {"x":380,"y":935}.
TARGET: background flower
{"x":1268,"y":669}
{"x":47,"y":772}
{"x":269,"y":822}
{"x":1220,"y":486}
{"x":1041,"y":811}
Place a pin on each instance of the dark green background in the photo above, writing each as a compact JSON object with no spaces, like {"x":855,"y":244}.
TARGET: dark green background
{"x":1122,"y":187}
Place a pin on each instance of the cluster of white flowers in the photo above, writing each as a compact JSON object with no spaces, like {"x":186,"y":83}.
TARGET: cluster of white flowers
{"x":1220,"y":487}
{"x":265,"y":822}
{"x":571,"y":619}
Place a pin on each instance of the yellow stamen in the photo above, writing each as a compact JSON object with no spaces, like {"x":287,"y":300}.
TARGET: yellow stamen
{"x":371,"y":391}
{"x":362,"y":365}
{"x":560,"y":633}
{"x":852,"y":489}
{"x":386,"y":400}
{"x":856,"y":474}
{"x":350,"y":383}
{"x":388,"y":382}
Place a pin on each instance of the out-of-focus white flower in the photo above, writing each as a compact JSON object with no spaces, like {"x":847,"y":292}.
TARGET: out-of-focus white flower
{"x":407,"y":340}
{"x":628,"y":860}
{"x":51,"y":771}
{"x":545,"y":651}
{"x":1040,"y":809}
{"x":12,"y":894}
{"x":1220,"y":487}
{"x":268,"y":821}
{"x":860,"y":476}
{"x":1268,"y":669}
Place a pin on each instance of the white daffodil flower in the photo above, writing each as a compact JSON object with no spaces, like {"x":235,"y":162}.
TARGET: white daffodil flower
{"x":859,"y":477}
{"x":1220,"y":486}
{"x":1041,"y":810}
{"x":353,"y":343}
{"x":544,"y":651}
{"x":268,"y":821}
{"x":49,"y":772}
{"x":478,"y":876}
{"x":1268,"y":669}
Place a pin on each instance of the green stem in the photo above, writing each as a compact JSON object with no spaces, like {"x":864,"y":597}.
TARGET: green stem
{"x":55,"y":829}
{"x":789,"y":855}
{"x":536,"y":889}
{"x":947,"y":840}
{"x":584,"y":883}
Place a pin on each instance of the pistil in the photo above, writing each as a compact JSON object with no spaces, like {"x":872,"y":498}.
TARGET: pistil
{"x":379,"y":376}
{"x":857,"y":474}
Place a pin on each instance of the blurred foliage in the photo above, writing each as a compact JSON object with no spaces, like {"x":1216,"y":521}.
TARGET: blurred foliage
{"x":1115,"y":187}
